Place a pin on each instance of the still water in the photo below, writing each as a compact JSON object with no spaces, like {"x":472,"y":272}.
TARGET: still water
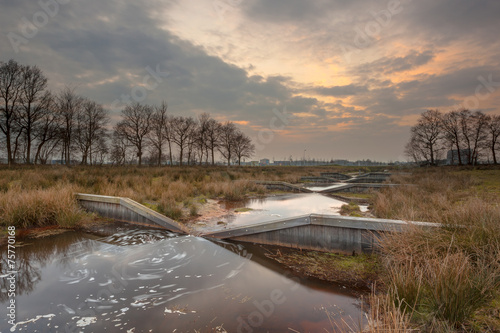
{"x":272,"y":208}
{"x":146,"y":280}
{"x":319,"y":188}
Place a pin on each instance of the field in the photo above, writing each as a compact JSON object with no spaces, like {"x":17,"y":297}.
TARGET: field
{"x":39,"y":196}
{"x":444,"y":280}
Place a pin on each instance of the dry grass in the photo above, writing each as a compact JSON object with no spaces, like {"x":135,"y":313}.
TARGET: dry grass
{"x":171,"y":191}
{"x":40,"y":207}
{"x":387,"y":317}
{"x":443,"y":277}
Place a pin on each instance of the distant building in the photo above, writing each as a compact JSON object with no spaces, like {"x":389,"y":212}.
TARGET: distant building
{"x":264,"y":161}
{"x":281,"y":163}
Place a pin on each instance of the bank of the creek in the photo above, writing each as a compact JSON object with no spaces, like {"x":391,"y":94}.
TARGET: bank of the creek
{"x":124,"y":278}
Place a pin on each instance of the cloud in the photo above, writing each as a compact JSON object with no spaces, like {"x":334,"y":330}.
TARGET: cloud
{"x":273,"y":54}
{"x":339,"y":91}
{"x":390,"y":65}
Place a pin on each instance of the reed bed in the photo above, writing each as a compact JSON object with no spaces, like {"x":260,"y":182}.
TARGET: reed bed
{"x":170,"y":190}
{"x":40,"y":207}
{"x":443,"y":279}
{"x":436,"y":280}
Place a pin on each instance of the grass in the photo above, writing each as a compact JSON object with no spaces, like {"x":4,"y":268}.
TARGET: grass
{"x":446,"y":279}
{"x":358,"y":271}
{"x":350,"y":209}
{"x":42,"y":195}
{"x":437,"y":280}
{"x":366,"y":195}
{"x":243,"y":210}
{"x":40,"y":207}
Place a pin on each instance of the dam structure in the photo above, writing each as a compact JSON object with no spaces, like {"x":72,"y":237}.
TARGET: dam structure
{"x":319,"y":232}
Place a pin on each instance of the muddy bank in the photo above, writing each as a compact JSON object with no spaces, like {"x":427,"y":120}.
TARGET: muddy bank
{"x":210,"y":215}
{"x":357,"y":272}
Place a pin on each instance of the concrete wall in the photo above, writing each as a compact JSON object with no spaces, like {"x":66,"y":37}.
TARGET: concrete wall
{"x":356,"y":188}
{"x":335,"y":175}
{"x":282,"y":186}
{"x":324,"y":180}
{"x":127,"y":210}
{"x":328,"y":233}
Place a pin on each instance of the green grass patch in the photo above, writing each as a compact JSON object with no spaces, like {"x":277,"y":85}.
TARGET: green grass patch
{"x":366,"y":196}
{"x":350,"y":209}
{"x":152,"y":206}
{"x":358,"y":271}
{"x":243,"y":210}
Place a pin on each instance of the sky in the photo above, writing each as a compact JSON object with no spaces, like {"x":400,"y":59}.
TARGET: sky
{"x":324,"y":79}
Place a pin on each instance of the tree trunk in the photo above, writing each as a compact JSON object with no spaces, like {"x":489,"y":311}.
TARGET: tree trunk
{"x":170,"y":153}
{"x":159,"y":154}
{"x":458,"y":151}
{"x":28,"y":147}
{"x":9,"y":149}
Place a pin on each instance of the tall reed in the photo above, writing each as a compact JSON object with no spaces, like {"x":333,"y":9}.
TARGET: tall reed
{"x":40,"y":207}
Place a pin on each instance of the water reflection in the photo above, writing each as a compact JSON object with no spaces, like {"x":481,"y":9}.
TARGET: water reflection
{"x":279,"y":207}
{"x":319,"y":188}
{"x":32,"y":263}
{"x":151,"y":280}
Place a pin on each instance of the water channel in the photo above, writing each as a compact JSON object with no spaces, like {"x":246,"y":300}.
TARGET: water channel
{"x":145,"y":280}
{"x":267,"y":209}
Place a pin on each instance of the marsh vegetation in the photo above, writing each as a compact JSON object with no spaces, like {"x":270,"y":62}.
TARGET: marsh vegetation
{"x":429,"y":280}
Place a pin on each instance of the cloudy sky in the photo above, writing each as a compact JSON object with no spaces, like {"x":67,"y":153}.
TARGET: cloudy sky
{"x":339,"y":79}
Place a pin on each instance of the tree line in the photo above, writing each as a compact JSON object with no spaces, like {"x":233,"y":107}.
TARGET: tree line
{"x":37,"y":125}
{"x":469,"y":137}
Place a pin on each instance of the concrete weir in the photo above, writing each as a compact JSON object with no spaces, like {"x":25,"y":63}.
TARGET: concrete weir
{"x":356,"y":187}
{"x":127,"y":210}
{"x":328,"y":233}
{"x":284,"y":186}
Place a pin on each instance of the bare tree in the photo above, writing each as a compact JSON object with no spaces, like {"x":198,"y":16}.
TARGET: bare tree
{"x":243,"y":146}
{"x":228,"y":133}
{"x":192,"y":143}
{"x":69,"y":105}
{"x":160,"y":131}
{"x":47,"y":133}
{"x":414,"y":151}
{"x":34,"y":100}
{"x":135,"y":126}
{"x":201,"y":140}
{"x":90,"y":127}
{"x":493,"y":130}
{"x":450,"y":123}
{"x":100,"y":150}
{"x":182,"y":128}
{"x":426,"y":136}
{"x":10,"y":93}
{"x":212,"y":134}
{"x":474,"y":133}
{"x":119,"y":148}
